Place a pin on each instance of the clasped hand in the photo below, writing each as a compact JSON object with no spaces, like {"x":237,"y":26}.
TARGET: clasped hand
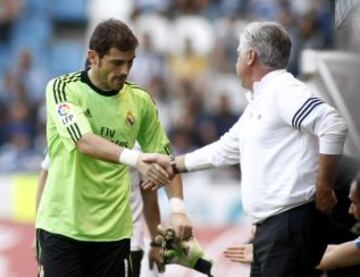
{"x":155,"y":170}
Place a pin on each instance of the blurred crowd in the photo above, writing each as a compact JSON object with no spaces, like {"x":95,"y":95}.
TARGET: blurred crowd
{"x":186,"y":61}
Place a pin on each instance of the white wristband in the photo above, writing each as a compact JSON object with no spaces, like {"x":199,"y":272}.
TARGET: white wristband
{"x":177,"y":205}
{"x":129,"y":157}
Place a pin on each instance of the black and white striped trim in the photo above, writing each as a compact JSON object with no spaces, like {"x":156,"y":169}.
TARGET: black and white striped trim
{"x":59,"y":86}
{"x":74,"y":132}
{"x":304,"y":111}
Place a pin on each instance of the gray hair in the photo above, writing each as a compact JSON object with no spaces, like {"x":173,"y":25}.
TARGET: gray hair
{"x":271,"y":42}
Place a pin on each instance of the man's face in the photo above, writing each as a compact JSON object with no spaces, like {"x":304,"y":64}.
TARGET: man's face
{"x":113,"y":68}
{"x":354,"y":197}
{"x":242,"y":67}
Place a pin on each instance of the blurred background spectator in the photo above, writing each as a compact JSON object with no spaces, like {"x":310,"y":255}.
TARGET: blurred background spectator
{"x":186,"y":60}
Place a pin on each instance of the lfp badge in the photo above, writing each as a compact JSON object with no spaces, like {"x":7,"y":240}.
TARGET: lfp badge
{"x":65,"y":113}
{"x":63,"y":109}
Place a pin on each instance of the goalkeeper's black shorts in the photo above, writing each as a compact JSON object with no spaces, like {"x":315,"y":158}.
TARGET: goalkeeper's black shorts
{"x":136,"y":258}
{"x":60,"y":256}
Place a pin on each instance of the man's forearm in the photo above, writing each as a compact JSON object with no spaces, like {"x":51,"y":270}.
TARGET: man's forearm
{"x":99,"y":148}
{"x":342,"y":255}
{"x":328,"y":166}
{"x":325,"y":198}
{"x":175,"y":189}
{"x":151,"y":212}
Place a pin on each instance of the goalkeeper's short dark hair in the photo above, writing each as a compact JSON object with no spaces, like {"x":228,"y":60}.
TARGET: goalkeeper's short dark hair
{"x":112,"y":33}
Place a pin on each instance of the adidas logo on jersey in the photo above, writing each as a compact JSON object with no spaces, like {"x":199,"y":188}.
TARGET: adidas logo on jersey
{"x":88,"y":113}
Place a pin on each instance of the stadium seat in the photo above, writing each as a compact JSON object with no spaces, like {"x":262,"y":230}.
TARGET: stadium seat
{"x":69,"y":11}
{"x":66,"y":56}
{"x":38,"y":6}
{"x":32,"y":31}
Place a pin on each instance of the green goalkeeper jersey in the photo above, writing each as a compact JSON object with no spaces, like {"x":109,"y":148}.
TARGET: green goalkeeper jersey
{"x":85,"y":198}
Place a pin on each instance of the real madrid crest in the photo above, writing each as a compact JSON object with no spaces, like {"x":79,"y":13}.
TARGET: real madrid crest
{"x":130,"y":119}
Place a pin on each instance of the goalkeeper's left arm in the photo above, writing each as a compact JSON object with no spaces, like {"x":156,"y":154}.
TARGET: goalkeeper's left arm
{"x":187,"y":252}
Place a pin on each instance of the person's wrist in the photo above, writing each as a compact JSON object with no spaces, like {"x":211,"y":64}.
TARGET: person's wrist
{"x":153,"y":243}
{"x":177,"y":205}
{"x":173,"y":165}
{"x":129,"y":157}
{"x":323,"y":190}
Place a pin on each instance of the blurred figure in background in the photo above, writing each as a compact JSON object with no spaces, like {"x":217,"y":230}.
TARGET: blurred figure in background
{"x":9,"y":9}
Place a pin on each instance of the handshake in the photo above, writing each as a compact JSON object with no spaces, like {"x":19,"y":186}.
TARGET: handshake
{"x":156,"y":170}
{"x":186,"y":252}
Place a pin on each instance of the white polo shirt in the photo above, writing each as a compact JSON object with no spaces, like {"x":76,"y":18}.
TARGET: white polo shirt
{"x":277,"y":142}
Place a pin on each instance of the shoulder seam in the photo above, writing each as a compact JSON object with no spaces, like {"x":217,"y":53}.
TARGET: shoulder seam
{"x":60,"y":84}
{"x":136,"y":86}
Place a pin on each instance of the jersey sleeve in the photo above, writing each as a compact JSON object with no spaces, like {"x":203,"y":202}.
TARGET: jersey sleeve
{"x":65,"y":112}
{"x":152,"y":137}
{"x":307,"y":113}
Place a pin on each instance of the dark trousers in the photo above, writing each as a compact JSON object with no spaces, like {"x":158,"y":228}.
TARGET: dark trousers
{"x":290,"y":244}
{"x":60,"y":256}
{"x":136,"y":258}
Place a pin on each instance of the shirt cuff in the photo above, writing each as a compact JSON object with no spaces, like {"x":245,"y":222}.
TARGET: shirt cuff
{"x":331,"y":148}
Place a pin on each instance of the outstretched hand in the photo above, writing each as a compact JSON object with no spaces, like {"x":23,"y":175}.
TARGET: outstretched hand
{"x":158,"y":160}
{"x":156,"y":258}
{"x":240,"y":253}
{"x":151,"y":172}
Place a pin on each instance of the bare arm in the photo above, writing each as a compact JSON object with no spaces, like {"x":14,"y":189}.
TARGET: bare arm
{"x":152,"y":217}
{"x":325,"y":196}
{"x":100,"y":148}
{"x":178,"y":217}
{"x":342,"y":255}
{"x":151,"y":211}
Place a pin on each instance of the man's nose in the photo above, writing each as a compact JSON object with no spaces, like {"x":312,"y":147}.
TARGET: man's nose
{"x":351,"y":209}
{"x":125,"y":69}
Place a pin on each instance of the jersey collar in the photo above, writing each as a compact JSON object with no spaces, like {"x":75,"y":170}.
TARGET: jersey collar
{"x":85,"y":79}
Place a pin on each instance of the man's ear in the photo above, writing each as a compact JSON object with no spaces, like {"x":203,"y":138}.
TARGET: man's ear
{"x":92,"y":57}
{"x":252,"y":57}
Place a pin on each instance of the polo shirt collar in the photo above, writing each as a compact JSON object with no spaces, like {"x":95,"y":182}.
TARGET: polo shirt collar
{"x":266,"y":81}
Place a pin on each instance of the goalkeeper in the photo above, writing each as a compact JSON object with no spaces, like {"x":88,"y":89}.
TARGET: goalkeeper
{"x":94,"y":118}
{"x":187,"y":252}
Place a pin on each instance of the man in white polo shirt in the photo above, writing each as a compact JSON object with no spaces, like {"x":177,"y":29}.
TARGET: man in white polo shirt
{"x":288,"y":144}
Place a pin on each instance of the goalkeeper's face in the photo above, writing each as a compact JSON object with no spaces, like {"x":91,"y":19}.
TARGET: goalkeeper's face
{"x":113,"y":68}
